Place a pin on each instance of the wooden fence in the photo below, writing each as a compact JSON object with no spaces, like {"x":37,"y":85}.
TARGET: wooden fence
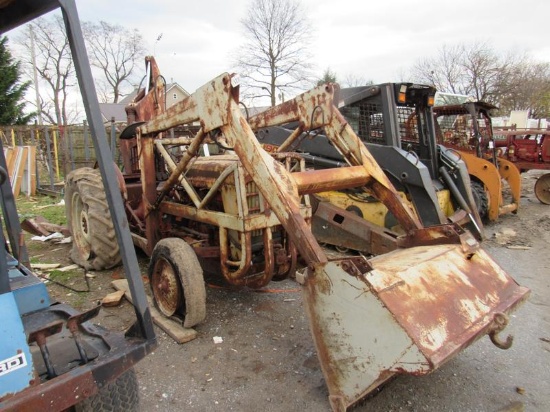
{"x":58,"y":149}
{"x":62,"y":149}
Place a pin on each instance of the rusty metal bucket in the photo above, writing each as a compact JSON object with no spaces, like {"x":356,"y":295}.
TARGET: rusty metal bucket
{"x":408,"y":311}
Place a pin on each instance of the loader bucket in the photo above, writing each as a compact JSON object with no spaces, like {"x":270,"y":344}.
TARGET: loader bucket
{"x":408,"y":311}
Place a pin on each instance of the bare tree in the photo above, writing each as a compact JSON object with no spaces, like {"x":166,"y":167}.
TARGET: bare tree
{"x":474,"y":69}
{"x":510,"y":81}
{"x":481,"y":68}
{"x":352,"y":80}
{"x":526,"y":86}
{"x":274,"y":60}
{"x":444,"y":71}
{"x":54,"y":66}
{"x":115,"y":51}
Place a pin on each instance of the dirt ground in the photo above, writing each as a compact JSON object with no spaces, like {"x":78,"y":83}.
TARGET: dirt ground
{"x":267,"y":359}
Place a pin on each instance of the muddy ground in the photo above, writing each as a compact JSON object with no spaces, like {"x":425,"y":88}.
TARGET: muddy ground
{"x":267,"y":360}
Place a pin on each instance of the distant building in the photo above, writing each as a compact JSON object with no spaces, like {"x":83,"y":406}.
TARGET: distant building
{"x":175,"y":93}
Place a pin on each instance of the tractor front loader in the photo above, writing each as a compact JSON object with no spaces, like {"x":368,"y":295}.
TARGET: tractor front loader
{"x":406,"y":311}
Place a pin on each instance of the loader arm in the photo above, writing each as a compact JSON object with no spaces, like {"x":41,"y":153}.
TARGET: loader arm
{"x":314,"y":110}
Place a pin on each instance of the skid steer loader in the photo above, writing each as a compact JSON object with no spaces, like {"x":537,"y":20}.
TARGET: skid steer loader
{"x":467,"y":128}
{"x":395,"y":122}
{"x":406,"y":311}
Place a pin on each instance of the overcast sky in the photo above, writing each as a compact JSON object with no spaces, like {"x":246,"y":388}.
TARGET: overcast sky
{"x":375,"y":40}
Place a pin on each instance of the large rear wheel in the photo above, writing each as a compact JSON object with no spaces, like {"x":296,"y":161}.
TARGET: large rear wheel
{"x":176,"y":280}
{"x":95,"y":244}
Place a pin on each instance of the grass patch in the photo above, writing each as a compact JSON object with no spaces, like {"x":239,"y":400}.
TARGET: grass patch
{"x":45,"y":206}
{"x":62,"y":277}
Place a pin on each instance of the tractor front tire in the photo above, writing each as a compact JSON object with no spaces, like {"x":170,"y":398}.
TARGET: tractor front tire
{"x":120,"y":395}
{"x":95,"y":245}
{"x":177,"y":282}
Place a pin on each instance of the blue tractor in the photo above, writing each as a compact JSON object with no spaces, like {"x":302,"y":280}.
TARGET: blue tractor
{"x":52,"y":357}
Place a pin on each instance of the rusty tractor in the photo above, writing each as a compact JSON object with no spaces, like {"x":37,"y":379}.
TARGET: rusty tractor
{"x":527,"y":149}
{"x":218,"y":200}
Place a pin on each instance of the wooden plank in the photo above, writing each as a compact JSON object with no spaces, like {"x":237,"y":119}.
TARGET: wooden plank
{"x":8,"y":154}
{"x":29,"y":186}
{"x":19,"y":170}
{"x":13,"y":153}
{"x":67,"y":268}
{"x":174,"y":329}
{"x":113,"y":299}
{"x":45,"y":266}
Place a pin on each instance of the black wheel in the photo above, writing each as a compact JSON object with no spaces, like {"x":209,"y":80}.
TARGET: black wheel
{"x":95,"y":244}
{"x":481,"y":199}
{"x":176,"y":280}
{"x":542,"y":189}
{"x":120,"y":395}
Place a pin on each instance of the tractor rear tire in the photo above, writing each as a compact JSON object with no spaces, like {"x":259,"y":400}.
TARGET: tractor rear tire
{"x":481,"y":199}
{"x":95,"y":245}
{"x":177,"y":282}
{"x":120,"y":395}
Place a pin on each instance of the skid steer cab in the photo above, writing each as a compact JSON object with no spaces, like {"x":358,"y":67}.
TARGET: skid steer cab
{"x":214,"y":198}
{"x":52,"y":356}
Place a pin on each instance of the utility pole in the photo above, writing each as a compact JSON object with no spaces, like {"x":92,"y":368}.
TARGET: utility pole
{"x":35,"y":77}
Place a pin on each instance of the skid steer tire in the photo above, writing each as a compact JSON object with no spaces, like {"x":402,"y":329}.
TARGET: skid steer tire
{"x":481,"y":199}
{"x":120,"y":395}
{"x":177,"y":282}
{"x":95,"y":245}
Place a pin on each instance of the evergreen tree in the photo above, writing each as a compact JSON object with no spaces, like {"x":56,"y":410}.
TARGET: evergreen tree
{"x":12,"y":90}
{"x":328,"y":77}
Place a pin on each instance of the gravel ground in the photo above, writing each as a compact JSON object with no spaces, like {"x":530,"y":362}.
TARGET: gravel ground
{"x":267,"y":359}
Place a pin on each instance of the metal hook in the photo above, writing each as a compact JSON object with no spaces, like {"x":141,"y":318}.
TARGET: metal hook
{"x":499,"y":324}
